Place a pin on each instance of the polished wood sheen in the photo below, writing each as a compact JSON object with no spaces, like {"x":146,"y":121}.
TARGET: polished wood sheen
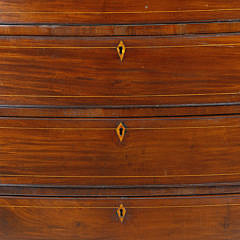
{"x":146,"y":191}
{"x":90,"y":152}
{"x":112,"y":12}
{"x":119,"y":120}
{"x":200,"y":218}
{"x":121,"y":111}
{"x":89,"y":71}
{"x":120,"y":29}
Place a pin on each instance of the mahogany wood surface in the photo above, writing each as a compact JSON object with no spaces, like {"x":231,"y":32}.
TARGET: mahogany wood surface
{"x":146,"y":191}
{"x":83,"y":72}
{"x":120,"y":30}
{"x":119,"y":120}
{"x":200,"y":218}
{"x":112,"y":12}
{"x":89,"y":152}
{"x":121,"y":110}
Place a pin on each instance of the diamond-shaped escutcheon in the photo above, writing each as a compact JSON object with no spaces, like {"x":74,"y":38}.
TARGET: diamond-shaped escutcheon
{"x":121,"y":212}
{"x":121,"y":49}
{"x":121,"y":130}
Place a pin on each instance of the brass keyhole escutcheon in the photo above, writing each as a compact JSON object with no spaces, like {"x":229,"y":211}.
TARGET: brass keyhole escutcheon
{"x":121,"y":212}
{"x":121,"y":49}
{"x":121,"y":130}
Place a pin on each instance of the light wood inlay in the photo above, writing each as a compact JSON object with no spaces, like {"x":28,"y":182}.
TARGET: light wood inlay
{"x":161,"y":176}
{"x":121,"y":49}
{"x":121,"y":206}
{"x":122,"y":44}
{"x":123,"y":96}
{"x":127,"y":12}
{"x":121,"y":212}
{"x":121,"y":130}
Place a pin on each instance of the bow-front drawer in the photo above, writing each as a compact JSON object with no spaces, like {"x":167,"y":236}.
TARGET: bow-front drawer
{"x":198,"y":218}
{"x":119,"y":152}
{"x":125,"y":11}
{"x":119,"y":72}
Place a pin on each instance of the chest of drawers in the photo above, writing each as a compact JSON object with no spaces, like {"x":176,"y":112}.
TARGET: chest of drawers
{"x":119,"y":120}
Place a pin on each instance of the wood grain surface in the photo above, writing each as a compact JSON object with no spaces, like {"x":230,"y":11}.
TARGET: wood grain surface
{"x":110,"y":12}
{"x":148,"y":191}
{"x":88,"y":71}
{"x":119,"y":29}
{"x":215,"y":217}
{"x":88,"y":152}
{"x":96,"y":144}
{"x":120,"y":111}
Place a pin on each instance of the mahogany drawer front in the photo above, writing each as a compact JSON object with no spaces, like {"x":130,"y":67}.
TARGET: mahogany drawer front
{"x":125,"y":11}
{"x":169,"y":218}
{"x":155,"y":71}
{"x":119,"y":152}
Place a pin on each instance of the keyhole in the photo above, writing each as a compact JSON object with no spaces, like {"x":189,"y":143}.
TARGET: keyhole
{"x":121,"y":212}
{"x":120,"y":50}
{"x":120,"y":131}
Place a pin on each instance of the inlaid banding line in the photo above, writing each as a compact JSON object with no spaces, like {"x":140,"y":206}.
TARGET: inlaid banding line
{"x":129,"y":128}
{"x":124,"y":12}
{"x":113,"y":207}
{"x":127,"y":47}
{"x":54,"y":47}
{"x":121,"y":96}
{"x":161,"y":176}
{"x":56,"y":128}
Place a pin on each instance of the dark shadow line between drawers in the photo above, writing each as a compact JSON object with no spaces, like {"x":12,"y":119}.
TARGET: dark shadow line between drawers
{"x":119,"y":106}
{"x":119,"y":24}
{"x":122,"y":196}
{"x":104,"y":118}
{"x":162,"y":186}
{"x":119,"y":37}
{"x":124,"y":107}
{"x":185,"y":190}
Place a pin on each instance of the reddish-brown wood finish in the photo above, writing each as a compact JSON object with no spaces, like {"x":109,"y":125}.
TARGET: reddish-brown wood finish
{"x":125,"y":11}
{"x":120,"y":30}
{"x":122,"y":191}
{"x":199,"y":218}
{"x":120,"y":111}
{"x":96,"y":144}
{"x":88,"y":71}
{"x":89,"y":151}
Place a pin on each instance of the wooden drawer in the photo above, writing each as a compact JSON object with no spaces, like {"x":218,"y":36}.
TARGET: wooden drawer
{"x":84,"y":72}
{"x":187,"y":218}
{"x":125,"y":11}
{"x":119,"y":151}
